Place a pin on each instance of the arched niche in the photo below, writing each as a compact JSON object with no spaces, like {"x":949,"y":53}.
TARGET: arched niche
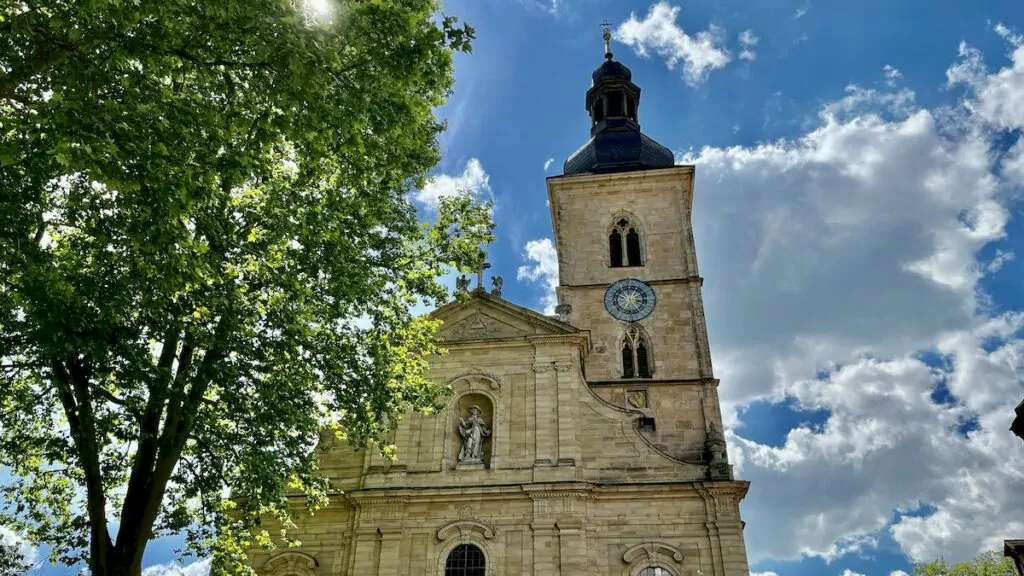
{"x":290,"y":563}
{"x":460,"y":410}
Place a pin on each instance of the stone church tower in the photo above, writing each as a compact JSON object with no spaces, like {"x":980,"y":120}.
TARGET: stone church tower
{"x":583,"y":444}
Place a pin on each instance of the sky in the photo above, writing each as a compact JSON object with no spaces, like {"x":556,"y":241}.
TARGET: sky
{"x":859,"y":228}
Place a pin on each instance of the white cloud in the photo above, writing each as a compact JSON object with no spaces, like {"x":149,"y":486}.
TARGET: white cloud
{"x":28,"y":552}
{"x":849,"y":572}
{"x":200,"y":568}
{"x":748,"y":41}
{"x":1010,"y":36}
{"x":850,"y":250}
{"x":472,"y":179}
{"x":763,"y":574}
{"x":700,"y":53}
{"x":542,"y":266}
{"x":547,"y":163}
{"x":898,"y":573}
{"x":892,"y":75}
{"x":799,"y":13}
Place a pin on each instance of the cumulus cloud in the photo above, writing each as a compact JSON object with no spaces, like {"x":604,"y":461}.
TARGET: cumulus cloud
{"x":658,"y":32}
{"x":832,"y":263}
{"x":28,"y":552}
{"x":892,"y":75}
{"x":472,"y":179}
{"x":849,"y":572}
{"x":898,"y":573}
{"x":199,"y":568}
{"x":541,"y":267}
{"x":748,"y":41}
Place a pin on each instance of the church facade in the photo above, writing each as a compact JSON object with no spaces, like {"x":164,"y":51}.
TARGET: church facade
{"x":584,"y":443}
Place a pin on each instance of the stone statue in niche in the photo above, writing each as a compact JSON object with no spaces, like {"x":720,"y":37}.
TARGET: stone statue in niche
{"x":473,"y":431}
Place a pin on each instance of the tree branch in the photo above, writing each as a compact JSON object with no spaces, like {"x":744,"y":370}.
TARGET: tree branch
{"x":72,"y":390}
{"x":149,"y":435}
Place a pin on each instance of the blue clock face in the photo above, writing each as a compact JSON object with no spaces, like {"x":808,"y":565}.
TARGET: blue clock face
{"x":629,"y":300}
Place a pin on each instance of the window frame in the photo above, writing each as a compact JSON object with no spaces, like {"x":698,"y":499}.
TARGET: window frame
{"x":623,"y":224}
{"x":633,"y":336}
{"x":463,"y":570}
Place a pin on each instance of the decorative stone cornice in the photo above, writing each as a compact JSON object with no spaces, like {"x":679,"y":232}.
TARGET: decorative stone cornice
{"x":380,"y":500}
{"x":476,"y":373}
{"x":292,"y":563}
{"x":542,"y":367}
{"x":463,"y":528}
{"x":652,"y":552}
{"x":560,"y":494}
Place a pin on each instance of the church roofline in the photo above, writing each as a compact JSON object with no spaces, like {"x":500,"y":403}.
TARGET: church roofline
{"x":559,"y":327}
{"x":632,"y":174}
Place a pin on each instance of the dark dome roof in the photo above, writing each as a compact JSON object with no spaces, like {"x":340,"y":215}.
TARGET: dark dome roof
{"x":611,"y":69}
{"x":618,"y":151}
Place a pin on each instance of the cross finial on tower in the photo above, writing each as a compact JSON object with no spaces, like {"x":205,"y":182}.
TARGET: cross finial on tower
{"x":607,"y":28}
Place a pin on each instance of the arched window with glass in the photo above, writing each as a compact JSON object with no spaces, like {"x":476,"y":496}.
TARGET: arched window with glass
{"x":624,"y":244}
{"x":636,"y":354}
{"x":655,"y":571}
{"x":465,"y":560}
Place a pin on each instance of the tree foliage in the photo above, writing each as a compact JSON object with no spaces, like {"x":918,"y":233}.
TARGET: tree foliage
{"x":986,"y":564}
{"x":207,"y":255}
{"x":12,"y":561}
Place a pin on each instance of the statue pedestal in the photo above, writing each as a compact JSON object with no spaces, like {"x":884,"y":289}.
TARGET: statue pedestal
{"x":471,"y":465}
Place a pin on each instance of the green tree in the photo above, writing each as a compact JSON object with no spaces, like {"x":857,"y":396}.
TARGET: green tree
{"x":12,"y":561}
{"x":986,"y":564}
{"x":207,"y":255}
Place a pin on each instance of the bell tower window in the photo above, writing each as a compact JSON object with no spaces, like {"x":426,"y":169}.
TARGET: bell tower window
{"x":632,"y":247}
{"x":624,"y":245}
{"x":598,"y":110}
{"x":615,"y":248}
{"x":636,"y":361}
{"x":615,"y":107}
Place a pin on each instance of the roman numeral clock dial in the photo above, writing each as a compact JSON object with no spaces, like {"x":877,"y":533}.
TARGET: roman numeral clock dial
{"x":629,"y":300}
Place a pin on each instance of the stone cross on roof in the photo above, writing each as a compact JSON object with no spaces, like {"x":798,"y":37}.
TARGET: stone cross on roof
{"x":480,"y":275}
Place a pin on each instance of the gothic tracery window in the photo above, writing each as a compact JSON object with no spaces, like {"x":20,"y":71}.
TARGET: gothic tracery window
{"x":465,"y":560}
{"x":636,"y":361}
{"x":624,"y":244}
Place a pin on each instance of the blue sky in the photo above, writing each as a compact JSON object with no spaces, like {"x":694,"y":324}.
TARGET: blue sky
{"x":857,"y":216}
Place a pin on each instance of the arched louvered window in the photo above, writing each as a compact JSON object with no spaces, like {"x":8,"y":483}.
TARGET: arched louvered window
{"x":615,"y":247}
{"x":633,"y":247}
{"x":643,"y":369}
{"x":628,"y":370}
{"x":636,"y":358}
{"x":465,"y":560}
{"x":624,"y":244}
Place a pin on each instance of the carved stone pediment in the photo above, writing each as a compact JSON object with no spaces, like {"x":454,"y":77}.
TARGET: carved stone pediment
{"x":482,"y":316}
{"x":481,"y":326}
